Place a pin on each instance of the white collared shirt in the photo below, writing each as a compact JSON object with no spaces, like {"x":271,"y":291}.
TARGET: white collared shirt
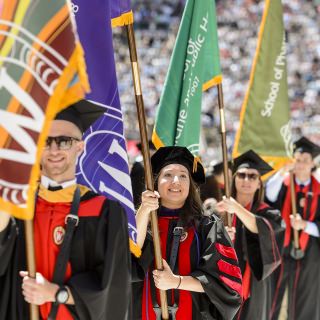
{"x":272,"y":190}
{"x":274,"y":185}
{"x":306,"y":183}
{"x":46,"y":182}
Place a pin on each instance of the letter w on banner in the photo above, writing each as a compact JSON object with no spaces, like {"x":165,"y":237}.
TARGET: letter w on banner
{"x":264,"y":119}
{"x":104,"y":164}
{"x":41,"y":72}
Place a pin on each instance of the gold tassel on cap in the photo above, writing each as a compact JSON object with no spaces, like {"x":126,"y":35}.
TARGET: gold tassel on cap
{"x":195,"y":163}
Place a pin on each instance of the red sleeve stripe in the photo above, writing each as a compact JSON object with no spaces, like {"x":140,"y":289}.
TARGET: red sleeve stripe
{"x":228,"y":252}
{"x":232,"y":284}
{"x":229,"y":269}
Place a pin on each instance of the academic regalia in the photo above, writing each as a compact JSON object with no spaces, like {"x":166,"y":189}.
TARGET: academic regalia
{"x":98,"y":272}
{"x":205,"y":252}
{"x":259,"y":255}
{"x":137,"y":181}
{"x":178,"y":155}
{"x":137,"y":175}
{"x":302,"y":277}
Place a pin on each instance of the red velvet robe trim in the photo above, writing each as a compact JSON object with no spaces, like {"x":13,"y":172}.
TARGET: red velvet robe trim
{"x":49,"y":216}
{"x":246,"y":280}
{"x":184,"y":267}
{"x":286,"y":211}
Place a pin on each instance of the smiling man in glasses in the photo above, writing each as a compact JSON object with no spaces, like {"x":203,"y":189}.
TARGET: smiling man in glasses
{"x":257,"y":234}
{"x":81,"y":239}
{"x":63,"y":146}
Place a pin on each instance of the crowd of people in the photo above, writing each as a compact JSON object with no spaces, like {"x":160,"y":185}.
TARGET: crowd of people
{"x":251,"y":255}
{"x":261,"y":264}
{"x":156,"y":25}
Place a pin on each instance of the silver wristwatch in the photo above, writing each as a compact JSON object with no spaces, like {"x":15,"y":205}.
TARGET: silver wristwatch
{"x":62,"y":295}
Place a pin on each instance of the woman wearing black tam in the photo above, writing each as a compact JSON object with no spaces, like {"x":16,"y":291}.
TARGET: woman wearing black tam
{"x":256,"y":232}
{"x":203,"y":280}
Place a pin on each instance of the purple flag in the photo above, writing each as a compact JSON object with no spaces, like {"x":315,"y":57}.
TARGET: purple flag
{"x":104,"y":164}
{"x":119,"y":7}
{"x":120,"y":13}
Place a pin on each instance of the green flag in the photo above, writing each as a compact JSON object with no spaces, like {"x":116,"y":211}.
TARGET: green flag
{"x":194,"y":67}
{"x":264,"y":120}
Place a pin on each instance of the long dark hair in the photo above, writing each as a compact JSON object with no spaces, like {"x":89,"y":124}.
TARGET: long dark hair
{"x":258,"y":195}
{"x":192,"y":211}
{"x":210,"y":189}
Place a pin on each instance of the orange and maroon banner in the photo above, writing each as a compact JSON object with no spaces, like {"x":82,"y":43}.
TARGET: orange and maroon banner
{"x":42,"y":71}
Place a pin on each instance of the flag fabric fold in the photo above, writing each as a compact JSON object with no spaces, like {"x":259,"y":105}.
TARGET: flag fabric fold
{"x":42,"y":70}
{"x":121,"y":13}
{"x":265,"y":114}
{"x":104,"y":164}
{"x":194,"y":67}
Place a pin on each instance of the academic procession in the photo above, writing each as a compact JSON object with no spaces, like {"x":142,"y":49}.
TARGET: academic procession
{"x":159,"y":160}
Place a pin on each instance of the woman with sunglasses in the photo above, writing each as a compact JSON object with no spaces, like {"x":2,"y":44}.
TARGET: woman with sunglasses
{"x":201,"y":274}
{"x":256,"y":232}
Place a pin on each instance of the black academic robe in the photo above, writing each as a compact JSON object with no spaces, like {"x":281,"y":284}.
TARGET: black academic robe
{"x":301,"y":278}
{"x":99,"y":265}
{"x":138,"y":182}
{"x":205,"y":253}
{"x":259,"y":256}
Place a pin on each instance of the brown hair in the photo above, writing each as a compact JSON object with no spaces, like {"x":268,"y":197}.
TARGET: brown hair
{"x":192,"y":211}
{"x":210,"y":189}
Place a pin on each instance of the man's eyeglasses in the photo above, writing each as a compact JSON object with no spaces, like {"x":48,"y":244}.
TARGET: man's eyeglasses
{"x":249,"y":176}
{"x":62,"y":142}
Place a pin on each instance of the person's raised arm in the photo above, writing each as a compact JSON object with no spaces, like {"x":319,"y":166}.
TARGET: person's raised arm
{"x":149,"y":202}
{"x":246,"y":217}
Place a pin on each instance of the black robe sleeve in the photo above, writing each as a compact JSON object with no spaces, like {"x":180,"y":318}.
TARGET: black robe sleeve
{"x":317,"y":217}
{"x":12,"y":260}
{"x":264,"y":249}
{"x":278,"y":203}
{"x":7,"y":244}
{"x":138,"y":182}
{"x":140,"y":265}
{"x":105,"y":292}
{"x":218,"y":271}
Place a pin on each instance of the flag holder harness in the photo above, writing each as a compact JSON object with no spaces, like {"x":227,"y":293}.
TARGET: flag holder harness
{"x":297,"y":253}
{"x":177,"y":234}
{"x":71,"y":221}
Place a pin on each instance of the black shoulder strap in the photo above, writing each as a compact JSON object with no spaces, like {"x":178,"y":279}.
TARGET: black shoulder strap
{"x":177,"y":233}
{"x":309,"y":196}
{"x":71,"y":221}
{"x":172,"y":309}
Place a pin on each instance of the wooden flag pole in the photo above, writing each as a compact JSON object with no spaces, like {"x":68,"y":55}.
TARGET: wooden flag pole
{"x":146,"y":159}
{"x":224,"y":149}
{"x":31,"y":262}
{"x":295,"y":251}
{"x":294,"y":210}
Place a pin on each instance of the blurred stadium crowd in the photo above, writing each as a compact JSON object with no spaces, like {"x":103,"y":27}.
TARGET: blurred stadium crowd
{"x":156,"y":25}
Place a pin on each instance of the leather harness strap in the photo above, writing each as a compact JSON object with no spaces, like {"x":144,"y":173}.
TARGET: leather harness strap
{"x":71,"y":221}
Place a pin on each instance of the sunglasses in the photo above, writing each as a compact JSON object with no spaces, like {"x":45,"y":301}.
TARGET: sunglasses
{"x":62,"y":142}
{"x":249,"y":176}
